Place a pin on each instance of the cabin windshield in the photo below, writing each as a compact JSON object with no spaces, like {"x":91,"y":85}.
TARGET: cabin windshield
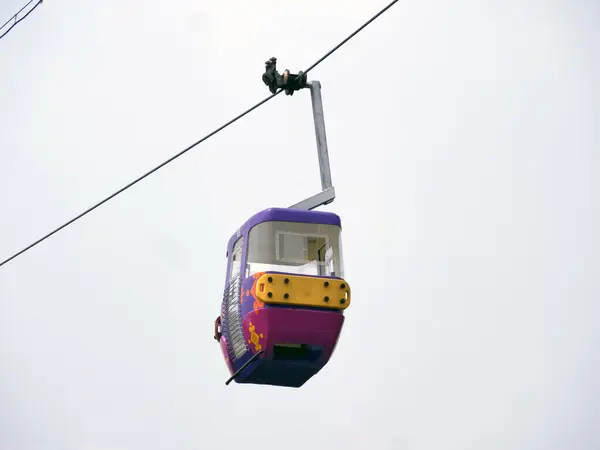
{"x":298,"y":248}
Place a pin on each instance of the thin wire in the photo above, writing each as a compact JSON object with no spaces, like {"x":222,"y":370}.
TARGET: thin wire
{"x":191,"y":146}
{"x":142,"y":177}
{"x":17,"y":13}
{"x":358,"y":30}
{"x":14,"y":17}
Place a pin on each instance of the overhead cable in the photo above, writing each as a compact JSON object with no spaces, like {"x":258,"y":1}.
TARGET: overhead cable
{"x":13,"y":21}
{"x":222,"y":127}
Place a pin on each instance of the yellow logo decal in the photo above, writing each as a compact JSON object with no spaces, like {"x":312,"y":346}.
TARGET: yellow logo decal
{"x":255,"y":337}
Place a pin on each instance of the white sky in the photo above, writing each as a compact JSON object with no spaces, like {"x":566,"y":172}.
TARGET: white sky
{"x":464,"y":148}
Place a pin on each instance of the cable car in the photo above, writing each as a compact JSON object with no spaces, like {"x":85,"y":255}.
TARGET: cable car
{"x":284,"y":299}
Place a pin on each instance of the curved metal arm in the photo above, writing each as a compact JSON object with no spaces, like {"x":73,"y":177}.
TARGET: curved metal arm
{"x":328,"y":194}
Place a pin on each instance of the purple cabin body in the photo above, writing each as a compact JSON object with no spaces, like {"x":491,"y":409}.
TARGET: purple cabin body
{"x":296,"y":338}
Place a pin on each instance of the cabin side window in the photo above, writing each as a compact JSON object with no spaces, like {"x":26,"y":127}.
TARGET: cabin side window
{"x":299,"y":248}
{"x":236,"y":259}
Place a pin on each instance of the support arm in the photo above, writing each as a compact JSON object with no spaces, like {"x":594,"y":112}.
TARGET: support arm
{"x":328,"y":194}
{"x":291,"y":83}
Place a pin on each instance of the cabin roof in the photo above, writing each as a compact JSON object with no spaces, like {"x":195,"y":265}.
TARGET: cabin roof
{"x":285,"y":215}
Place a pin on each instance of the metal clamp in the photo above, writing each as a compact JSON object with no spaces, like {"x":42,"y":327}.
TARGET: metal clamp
{"x":290,"y":82}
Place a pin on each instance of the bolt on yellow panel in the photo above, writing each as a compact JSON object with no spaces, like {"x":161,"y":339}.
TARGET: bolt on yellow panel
{"x":299,"y":290}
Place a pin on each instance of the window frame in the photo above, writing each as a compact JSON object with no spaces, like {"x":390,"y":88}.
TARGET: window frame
{"x":304,"y":235}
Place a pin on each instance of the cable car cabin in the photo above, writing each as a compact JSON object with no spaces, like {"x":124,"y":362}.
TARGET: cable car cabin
{"x":284,"y":297}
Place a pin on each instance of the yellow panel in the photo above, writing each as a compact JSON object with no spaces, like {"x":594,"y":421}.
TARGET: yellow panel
{"x":303,"y":291}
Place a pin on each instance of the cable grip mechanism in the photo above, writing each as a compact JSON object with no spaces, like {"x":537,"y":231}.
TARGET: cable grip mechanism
{"x":287,"y":81}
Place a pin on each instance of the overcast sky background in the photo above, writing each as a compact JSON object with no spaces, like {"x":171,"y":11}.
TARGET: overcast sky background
{"x":464,"y":146}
